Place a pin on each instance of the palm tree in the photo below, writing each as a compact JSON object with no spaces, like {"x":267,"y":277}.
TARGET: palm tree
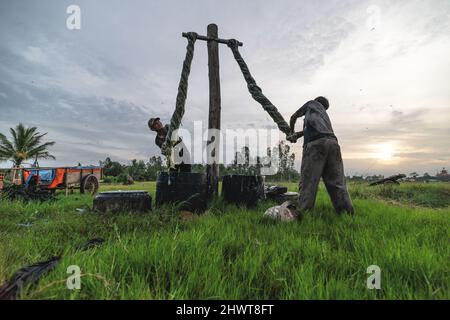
{"x":26,"y":144}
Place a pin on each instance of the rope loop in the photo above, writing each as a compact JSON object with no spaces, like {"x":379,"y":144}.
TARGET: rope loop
{"x":192,"y":36}
{"x":233,"y":43}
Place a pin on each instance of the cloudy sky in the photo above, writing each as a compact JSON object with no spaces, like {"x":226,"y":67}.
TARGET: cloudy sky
{"x":384,"y":65}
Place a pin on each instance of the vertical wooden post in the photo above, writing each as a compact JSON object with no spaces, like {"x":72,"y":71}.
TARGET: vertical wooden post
{"x":212,"y":169}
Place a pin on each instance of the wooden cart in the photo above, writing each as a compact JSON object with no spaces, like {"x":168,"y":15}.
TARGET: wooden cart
{"x":85,"y":178}
{"x":2,"y":177}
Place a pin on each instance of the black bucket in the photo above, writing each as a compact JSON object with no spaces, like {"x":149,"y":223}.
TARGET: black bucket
{"x":188,"y":190}
{"x":123,"y":201}
{"x":241,"y":189}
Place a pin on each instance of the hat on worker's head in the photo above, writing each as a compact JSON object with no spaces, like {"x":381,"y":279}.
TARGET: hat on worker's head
{"x":152,"y":121}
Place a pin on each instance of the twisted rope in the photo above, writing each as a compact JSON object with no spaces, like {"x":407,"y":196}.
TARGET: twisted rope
{"x":177,"y":115}
{"x":257,"y":94}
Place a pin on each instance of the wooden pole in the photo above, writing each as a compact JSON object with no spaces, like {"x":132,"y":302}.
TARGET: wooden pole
{"x":212,"y":169}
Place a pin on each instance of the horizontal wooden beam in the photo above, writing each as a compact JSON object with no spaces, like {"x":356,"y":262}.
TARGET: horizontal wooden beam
{"x":224,"y":41}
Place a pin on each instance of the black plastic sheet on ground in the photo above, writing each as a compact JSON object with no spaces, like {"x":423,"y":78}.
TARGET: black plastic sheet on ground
{"x":29,"y":275}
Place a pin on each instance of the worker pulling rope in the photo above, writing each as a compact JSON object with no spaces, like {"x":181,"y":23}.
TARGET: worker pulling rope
{"x":177,"y":115}
{"x":257,"y":94}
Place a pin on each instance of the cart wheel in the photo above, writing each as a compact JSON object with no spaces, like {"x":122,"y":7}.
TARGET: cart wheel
{"x":89,"y":185}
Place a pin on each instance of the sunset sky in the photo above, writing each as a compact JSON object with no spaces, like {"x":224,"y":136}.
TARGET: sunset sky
{"x":384,"y":65}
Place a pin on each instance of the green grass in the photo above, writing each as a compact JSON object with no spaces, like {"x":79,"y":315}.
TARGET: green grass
{"x":434,"y":195}
{"x":234,"y":253}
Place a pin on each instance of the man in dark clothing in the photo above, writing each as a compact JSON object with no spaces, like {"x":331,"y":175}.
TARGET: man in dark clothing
{"x":161,"y":132}
{"x":321,"y":157}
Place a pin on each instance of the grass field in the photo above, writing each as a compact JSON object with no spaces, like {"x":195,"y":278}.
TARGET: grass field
{"x":234,"y":253}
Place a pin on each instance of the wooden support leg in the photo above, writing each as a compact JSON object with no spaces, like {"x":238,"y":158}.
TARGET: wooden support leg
{"x":212,"y":169}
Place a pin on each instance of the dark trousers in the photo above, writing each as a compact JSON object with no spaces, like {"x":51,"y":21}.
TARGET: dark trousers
{"x":322,"y":159}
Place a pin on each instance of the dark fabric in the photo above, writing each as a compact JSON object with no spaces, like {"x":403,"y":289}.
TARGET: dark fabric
{"x":322,"y":159}
{"x":182,"y":167}
{"x":92,"y":243}
{"x":311,"y":134}
{"x":158,"y":140}
{"x":316,"y":124}
{"x":26,"y":276}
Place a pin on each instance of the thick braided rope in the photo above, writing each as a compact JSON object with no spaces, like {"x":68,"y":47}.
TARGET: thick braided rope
{"x":257,"y":94}
{"x":177,"y":115}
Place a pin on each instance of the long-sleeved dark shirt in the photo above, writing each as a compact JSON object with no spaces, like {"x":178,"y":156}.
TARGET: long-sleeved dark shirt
{"x":158,"y":140}
{"x":316,"y":124}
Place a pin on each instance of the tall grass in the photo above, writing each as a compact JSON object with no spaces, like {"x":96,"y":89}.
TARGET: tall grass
{"x":231,"y":252}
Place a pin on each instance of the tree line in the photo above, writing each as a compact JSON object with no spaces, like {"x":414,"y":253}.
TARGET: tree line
{"x":139,"y":170}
